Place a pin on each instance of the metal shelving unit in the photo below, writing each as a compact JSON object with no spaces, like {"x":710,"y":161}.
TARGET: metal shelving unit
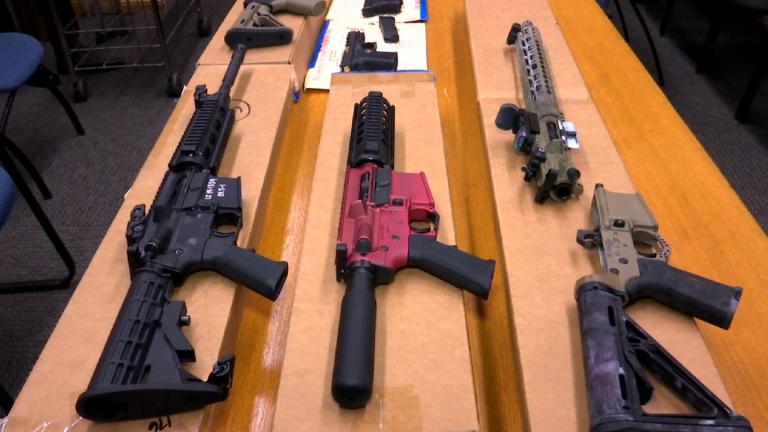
{"x":116,"y":34}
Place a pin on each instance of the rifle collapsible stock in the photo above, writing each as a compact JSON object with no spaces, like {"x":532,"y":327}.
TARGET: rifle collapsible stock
{"x":540,"y":129}
{"x":139,"y":374}
{"x":388,"y":222}
{"x":257,"y":26}
{"x":616,"y":349}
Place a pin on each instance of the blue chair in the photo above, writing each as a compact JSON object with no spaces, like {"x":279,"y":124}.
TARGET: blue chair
{"x":20,"y":57}
{"x":6,"y":195}
{"x":11,"y":177}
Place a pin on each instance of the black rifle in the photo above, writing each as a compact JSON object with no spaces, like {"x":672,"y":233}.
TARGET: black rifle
{"x":139,"y":374}
{"x":361,"y":56}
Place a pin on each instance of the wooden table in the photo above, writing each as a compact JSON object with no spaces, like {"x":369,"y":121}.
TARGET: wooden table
{"x":698,"y":211}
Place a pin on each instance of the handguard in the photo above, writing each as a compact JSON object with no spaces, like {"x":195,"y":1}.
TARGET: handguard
{"x":616,"y":349}
{"x":361,"y":56}
{"x":257,"y":26}
{"x":139,"y":374}
{"x":540,"y":129}
{"x":388,"y":222}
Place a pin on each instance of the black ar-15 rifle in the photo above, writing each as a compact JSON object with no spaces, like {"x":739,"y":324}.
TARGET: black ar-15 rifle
{"x":139,"y":373}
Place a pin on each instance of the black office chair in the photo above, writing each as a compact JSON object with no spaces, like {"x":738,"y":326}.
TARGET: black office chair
{"x":20,"y":57}
{"x":633,"y":4}
{"x":6,"y":401}
{"x":759,"y":71}
{"x":722,"y":12}
{"x":6,"y":201}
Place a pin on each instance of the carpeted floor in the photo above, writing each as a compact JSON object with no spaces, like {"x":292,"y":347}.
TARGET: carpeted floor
{"x":708,"y":102}
{"x":128,"y":108}
{"x":88,"y":176}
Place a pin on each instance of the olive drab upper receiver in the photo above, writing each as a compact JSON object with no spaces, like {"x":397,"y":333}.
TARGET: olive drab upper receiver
{"x":540,"y":129}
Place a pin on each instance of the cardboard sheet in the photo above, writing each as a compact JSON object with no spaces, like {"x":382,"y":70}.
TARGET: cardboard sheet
{"x":298,"y":53}
{"x":66,"y":365}
{"x":539,"y":241}
{"x":423,"y":376}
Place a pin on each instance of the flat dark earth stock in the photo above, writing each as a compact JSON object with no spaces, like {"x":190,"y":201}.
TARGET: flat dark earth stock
{"x":89,"y":175}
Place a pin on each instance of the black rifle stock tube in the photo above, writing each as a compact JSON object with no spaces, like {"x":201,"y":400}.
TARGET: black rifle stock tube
{"x":352,"y":384}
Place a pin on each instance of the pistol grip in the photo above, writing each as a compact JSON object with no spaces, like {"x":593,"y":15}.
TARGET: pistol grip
{"x":451,"y":264}
{"x":685,"y":292}
{"x":352,"y":383}
{"x":244,"y":266}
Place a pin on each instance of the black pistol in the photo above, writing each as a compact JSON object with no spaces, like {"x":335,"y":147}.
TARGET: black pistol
{"x":360,"y":56}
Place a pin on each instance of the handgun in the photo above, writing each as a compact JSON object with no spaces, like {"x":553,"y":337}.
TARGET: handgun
{"x":191,"y":226}
{"x":258,"y":27}
{"x":616,"y":350}
{"x":361,"y":56}
{"x":540,"y":129}
{"x":388,"y":222}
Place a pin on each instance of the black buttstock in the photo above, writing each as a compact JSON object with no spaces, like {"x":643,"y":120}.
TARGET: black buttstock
{"x":244,"y":266}
{"x":139,"y":374}
{"x":451,"y":264}
{"x":685,"y":292}
{"x":352,"y":383}
{"x":615,"y":351}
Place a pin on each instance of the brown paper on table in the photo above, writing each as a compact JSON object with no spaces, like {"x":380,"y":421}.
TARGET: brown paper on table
{"x":423,"y":375}
{"x":298,"y":53}
{"x":541,"y":255}
{"x":495,"y":62}
{"x":66,"y":365}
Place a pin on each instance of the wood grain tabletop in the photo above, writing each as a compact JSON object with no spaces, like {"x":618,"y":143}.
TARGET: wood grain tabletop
{"x":710,"y":229}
